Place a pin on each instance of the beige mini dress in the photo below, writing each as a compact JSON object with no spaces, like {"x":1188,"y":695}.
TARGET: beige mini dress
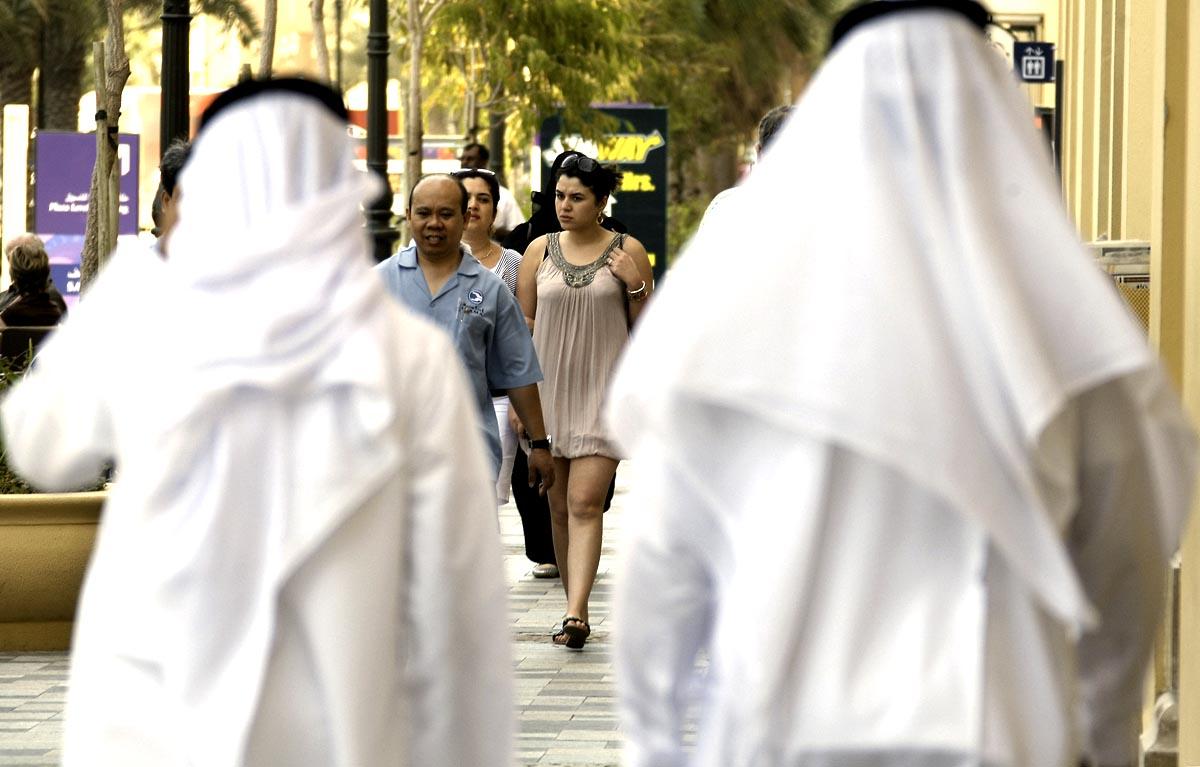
{"x":580,"y":329}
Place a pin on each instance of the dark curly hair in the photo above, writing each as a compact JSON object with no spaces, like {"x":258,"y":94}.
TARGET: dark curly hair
{"x":486,"y":176}
{"x":602,"y":180}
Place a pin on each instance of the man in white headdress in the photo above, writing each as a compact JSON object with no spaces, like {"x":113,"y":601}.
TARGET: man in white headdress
{"x":298,"y":562}
{"x":913,"y":483}
{"x":768,"y":128}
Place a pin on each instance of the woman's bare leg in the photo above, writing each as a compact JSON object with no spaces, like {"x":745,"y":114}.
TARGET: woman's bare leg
{"x":586,"y":486}
{"x":557,"y":497}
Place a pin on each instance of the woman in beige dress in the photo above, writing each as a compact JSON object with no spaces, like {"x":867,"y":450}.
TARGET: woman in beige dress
{"x":581,"y":290}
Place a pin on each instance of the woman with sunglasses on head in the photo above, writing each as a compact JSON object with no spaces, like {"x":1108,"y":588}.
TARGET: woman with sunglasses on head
{"x":533,"y":507}
{"x":581,"y":290}
{"x":483,"y":192}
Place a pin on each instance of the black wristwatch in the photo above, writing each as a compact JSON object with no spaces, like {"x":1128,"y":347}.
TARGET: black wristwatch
{"x":540,"y":444}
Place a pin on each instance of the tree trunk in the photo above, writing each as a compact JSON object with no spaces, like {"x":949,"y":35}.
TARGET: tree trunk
{"x":320,"y":45}
{"x":116,"y":69}
{"x":267,"y":56}
{"x":413,"y":128}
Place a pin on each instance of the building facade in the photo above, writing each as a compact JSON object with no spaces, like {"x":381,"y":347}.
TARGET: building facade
{"x":1130,"y":158}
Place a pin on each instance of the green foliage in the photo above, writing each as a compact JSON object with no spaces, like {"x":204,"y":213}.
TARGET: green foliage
{"x":526,"y":59}
{"x":19,"y":20}
{"x":233,"y":14}
{"x":55,"y":36}
{"x":718,"y":65}
{"x":721,"y":64}
{"x":683,"y":217}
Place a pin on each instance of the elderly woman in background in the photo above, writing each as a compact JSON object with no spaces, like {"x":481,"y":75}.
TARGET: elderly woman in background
{"x":581,"y":290}
{"x":31,"y":299}
{"x":483,"y":191}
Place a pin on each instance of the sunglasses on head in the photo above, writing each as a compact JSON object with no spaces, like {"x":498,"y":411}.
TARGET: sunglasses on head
{"x":469,"y":172}
{"x":584,"y":163}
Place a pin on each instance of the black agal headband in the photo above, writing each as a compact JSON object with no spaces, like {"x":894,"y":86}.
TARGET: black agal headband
{"x":321,"y":94}
{"x":861,"y":14}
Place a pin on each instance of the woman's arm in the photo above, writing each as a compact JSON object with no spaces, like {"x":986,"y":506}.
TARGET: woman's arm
{"x":527,"y":279}
{"x":630,"y":264}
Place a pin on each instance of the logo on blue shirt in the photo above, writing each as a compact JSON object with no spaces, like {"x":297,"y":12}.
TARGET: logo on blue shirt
{"x":475,"y":297}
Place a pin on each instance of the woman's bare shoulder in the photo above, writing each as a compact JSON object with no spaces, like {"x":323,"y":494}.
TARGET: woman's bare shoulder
{"x":537,"y":246}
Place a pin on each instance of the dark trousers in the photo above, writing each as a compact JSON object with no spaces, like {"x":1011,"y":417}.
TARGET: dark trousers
{"x":535,"y":512}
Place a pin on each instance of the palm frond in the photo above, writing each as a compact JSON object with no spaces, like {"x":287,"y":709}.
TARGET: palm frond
{"x":233,"y":14}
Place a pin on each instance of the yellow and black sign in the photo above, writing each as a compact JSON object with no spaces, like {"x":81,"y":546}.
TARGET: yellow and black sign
{"x":640,"y":152}
{"x":630,"y":148}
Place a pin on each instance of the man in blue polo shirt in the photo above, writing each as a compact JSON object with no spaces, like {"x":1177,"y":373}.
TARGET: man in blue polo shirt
{"x":438,"y":279}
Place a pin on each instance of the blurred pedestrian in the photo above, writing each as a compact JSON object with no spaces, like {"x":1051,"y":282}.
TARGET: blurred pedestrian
{"x":29,"y":248}
{"x":508,"y":213}
{"x":581,"y":290}
{"x":164,"y":210}
{"x":298,"y":563}
{"x":768,"y":127}
{"x":912,"y":483}
{"x":35,"y":304}
{"x":482,"y":192}
{"x":437,"y":278}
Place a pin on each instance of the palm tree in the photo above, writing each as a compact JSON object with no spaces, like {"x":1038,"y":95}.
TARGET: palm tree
{"x":19,"y":22}
{"x":267,"y":54}
{"x":55,"y":37}
{"x":319,"y":42}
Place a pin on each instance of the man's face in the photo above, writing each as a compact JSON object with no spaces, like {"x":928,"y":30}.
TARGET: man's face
{"x":436,"y":218}
{"x":472,"y":158}
{"x":170,"y":213}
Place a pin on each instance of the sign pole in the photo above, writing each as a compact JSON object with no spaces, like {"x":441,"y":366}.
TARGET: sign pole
{"x":1059,"y":80}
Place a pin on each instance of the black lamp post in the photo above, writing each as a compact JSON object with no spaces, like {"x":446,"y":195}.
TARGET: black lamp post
{"x":379,"y":214}
{"x":174,"y":109}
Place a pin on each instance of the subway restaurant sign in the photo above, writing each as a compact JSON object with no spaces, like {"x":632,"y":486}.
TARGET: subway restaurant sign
{"x":639,"y":149}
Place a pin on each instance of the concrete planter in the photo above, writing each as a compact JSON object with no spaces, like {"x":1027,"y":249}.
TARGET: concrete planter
{"x":45,"y":543}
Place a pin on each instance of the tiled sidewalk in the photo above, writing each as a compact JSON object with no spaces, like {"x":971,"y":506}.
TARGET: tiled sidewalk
{"x":32,"y":688}
{"x":564,"y":702}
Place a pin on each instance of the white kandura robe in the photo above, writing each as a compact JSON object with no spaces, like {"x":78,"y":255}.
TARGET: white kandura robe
{"x":298,"y":563}
{"x":910,"y":476}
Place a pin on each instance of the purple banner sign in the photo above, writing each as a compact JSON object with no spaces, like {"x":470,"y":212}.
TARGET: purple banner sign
{"x":64,"y":178}
{"x":64,"y":250}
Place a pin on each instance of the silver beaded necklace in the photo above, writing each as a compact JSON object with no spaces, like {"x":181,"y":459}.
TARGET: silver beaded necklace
{"x":579,"y":276}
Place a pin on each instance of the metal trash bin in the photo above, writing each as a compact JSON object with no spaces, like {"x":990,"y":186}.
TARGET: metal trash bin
{"x":1127,"y":262}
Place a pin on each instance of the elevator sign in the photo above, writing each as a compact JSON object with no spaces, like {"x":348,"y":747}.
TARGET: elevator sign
{"x":1034,"y":62}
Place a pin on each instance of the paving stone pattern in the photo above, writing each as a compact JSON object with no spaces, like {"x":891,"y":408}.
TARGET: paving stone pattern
{"x":564,"y":699}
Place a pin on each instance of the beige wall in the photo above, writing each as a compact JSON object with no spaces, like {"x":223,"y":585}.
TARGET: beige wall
{"x":1187,"y":106}
{"x":1131,"y":170}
